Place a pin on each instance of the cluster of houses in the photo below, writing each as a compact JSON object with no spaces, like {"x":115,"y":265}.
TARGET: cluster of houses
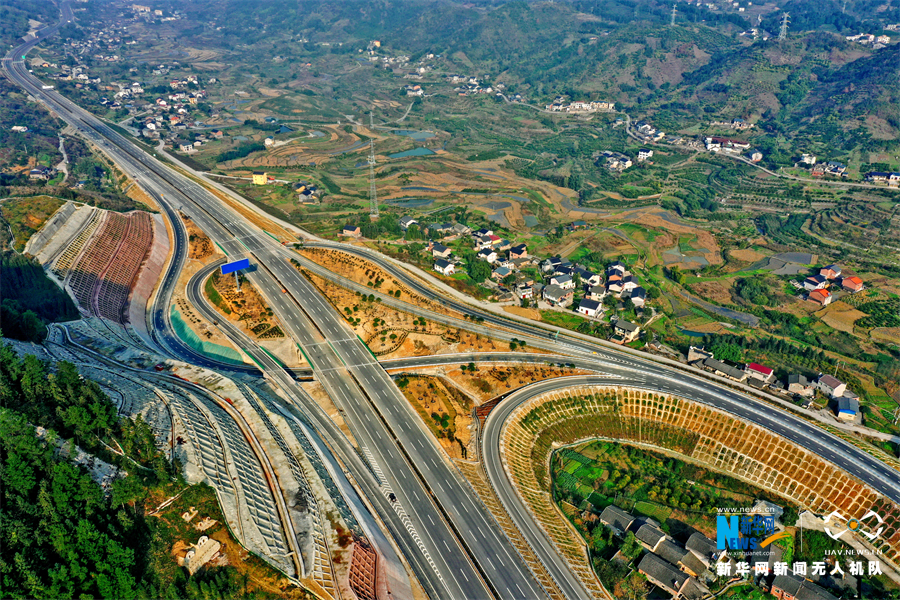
{"x":760,"y":376}
{"x":562,"y":277}
{"x":892,"y":179}
{"x":470,"y":86}
{"x":79,"y":74}
{"x":42,"y":173}
{"x":141,"y":11}
{"x":682,"y":570}
{"x":648,"y":132}
{"x":867,"y":39}
{"x":675,"y":568}
{"x":614,"y":161}
{"x":731,"y":146}
{"x":560,"y":105}
{"x":817,"y":286}
{"x":830,"y":168}
{"x":736,"y":124}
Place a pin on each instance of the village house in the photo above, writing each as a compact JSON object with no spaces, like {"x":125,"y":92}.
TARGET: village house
{"x":650,"y":536}
{"x":758,"y":371}
{"x":440,"y":251}
{"x":638,"y":296}
{"x":351,"y":231}
{"x":589,"y":308}
{"x":847,"y":408}
{"x":830,"y":272}
{"x":798,"y":384}
{"x":260,"y":178}
{"x":557,"y":296}
{"x":831,"y":386}
{"x":482,"y":242}
{"x":644,"y":154}
{"x":587,"y":277}
{"x":444,"y":267}
{"x":597,"y":292}
{"x":662,"y":574}
{"x":704,"y":548}
{"x":488,"y":255}
{"x":500,"y":273}
{"x":814,"y":282}
{"x":407,"y":222}
{"x":852,"y":284}
{"x":550,"y":265}
{"x":625,"y":331}
{"x":822,"y":297}
{"x":563,"y":281}
{"x":725,"y":370}
{"x":616,"y":519}
{"x":519,"y":251}
{"x":794,"y":587}
{"x":524,"y":291}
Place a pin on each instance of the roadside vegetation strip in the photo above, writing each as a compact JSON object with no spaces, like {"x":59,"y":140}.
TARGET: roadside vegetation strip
{"x":693,"y":431}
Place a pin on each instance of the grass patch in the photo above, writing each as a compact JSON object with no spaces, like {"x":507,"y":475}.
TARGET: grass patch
{"x":26,"y":216}
{"x":565,"y":320}
{"x":660,"y":513}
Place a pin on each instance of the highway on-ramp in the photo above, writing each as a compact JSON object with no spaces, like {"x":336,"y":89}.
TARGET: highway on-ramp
{"x":468,"y":554}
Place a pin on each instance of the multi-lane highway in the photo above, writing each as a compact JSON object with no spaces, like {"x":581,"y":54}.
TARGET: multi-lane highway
{"x":638,"y":369}
{"x":468,"y":555}
{"x":451,"y":541}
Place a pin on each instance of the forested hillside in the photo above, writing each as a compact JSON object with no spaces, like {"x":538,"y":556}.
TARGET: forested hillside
{"x":28,"y":299}
{"x":62,"y":536}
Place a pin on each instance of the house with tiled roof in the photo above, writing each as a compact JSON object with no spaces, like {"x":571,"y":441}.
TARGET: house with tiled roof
{"x":815,"y":282}
{"x":852,"y":284}
{"x":758,"y":371}
{"x":557,"y":296}
{"x":662,"y":574}
{"x":794,"y":587}
{"x":616,"y":519}
{"x":444,"y":267}
{"x":589,"y":308}
{"x":831,"y":386}
{"x":823,"y":297}
{"x":650,"y":536}
{"x":830,"y":272}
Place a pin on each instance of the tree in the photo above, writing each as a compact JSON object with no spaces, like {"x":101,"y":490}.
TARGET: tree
{"x":726,"y":351}
{"x":631,"y":548}
{"x":790,"y":515}
{"x":478,"y":270}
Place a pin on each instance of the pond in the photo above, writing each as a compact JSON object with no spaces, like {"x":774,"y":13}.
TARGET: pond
{"x":413,"y":152}
{"x":419,"y":136}
{"x":410,"y":202}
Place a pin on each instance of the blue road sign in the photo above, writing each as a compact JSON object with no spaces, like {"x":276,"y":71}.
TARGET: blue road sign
{"x":235,"y":266}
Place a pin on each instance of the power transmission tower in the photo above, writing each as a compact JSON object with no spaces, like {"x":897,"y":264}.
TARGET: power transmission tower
{"x":785,"y":19}
{"x":373,"y":193}
{"x":672,"y":22}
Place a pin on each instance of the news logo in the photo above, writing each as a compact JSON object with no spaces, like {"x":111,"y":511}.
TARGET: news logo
{"x":747,"y":532}
{"x":853,"y":525}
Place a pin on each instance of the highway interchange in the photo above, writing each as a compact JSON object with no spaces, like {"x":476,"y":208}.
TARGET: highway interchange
{"x":450,"y":540}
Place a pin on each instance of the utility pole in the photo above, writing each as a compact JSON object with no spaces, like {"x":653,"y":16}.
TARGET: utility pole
{"x":785,"y":19}
{"x":373,"y":193}
{"x":672,"y":22}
